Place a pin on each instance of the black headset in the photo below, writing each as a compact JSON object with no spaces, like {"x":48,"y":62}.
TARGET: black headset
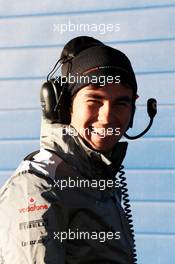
{"x":55,"y":97}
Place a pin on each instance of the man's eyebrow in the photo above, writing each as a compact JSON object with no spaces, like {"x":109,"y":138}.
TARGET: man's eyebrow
{"x":121,"y":98}
{"x":124,"y":98}
{"x":95,"y":96}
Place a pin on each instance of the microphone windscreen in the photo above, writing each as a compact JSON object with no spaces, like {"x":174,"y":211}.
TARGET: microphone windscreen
{"x":152,"y":107}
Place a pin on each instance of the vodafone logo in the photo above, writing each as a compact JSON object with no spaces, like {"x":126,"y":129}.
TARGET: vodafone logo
{"x":31,"y":200}
{"x":32,"y":206}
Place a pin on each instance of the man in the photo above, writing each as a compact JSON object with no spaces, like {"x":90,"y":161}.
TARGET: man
{"x":63,"y":203}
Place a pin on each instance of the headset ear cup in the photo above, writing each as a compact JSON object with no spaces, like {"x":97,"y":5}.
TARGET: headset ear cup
{"x":48,"y":101}
{"x":49,"y":96}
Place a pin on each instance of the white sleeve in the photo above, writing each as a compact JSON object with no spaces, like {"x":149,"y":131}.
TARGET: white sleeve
{"x":29,"y":213}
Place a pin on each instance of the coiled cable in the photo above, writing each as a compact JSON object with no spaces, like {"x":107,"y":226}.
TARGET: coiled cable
{"x":127,"y":208}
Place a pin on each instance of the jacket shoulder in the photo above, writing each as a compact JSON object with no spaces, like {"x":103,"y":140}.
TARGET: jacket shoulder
{"x":40,"y":165}
{"x":41,"y":162}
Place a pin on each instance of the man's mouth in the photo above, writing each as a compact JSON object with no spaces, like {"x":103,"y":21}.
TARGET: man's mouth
{"x":98,"y":131}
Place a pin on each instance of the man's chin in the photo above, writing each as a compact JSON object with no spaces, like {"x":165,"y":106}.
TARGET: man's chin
{"x":103,"y":148}
{"x":103,"y":145}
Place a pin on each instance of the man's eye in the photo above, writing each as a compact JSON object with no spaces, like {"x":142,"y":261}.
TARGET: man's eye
{"x":93,"y":101}
{"x":123,"y":103}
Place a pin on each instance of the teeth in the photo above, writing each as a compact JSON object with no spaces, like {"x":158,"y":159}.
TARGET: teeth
{"x":96,"y":131}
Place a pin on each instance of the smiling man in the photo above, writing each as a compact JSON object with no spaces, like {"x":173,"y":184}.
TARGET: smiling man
{"x":63,"y":203}
{"x":104,"y":115}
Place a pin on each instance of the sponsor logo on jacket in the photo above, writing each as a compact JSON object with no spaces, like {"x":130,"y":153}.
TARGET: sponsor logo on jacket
{"x":31,"y":242}
{"x":33,"y":224}
{"x":31,"y":200}
{"x":33,"y":208}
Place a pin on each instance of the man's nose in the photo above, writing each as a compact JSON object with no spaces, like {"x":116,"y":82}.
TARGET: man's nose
{"x":105,"y":114}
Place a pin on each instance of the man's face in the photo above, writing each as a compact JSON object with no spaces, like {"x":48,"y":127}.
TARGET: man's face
{"x":101,"y":114}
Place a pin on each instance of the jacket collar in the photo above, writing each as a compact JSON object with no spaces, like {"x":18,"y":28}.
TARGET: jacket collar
{"x":73,"y":150}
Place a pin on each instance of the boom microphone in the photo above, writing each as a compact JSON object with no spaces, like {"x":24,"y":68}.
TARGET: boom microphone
{"x":152,"y":111}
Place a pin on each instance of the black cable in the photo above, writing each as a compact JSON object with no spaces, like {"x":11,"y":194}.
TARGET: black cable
{"x":62,"y":60}
{"x":127,"y":208}
{"x":55,"y":68}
